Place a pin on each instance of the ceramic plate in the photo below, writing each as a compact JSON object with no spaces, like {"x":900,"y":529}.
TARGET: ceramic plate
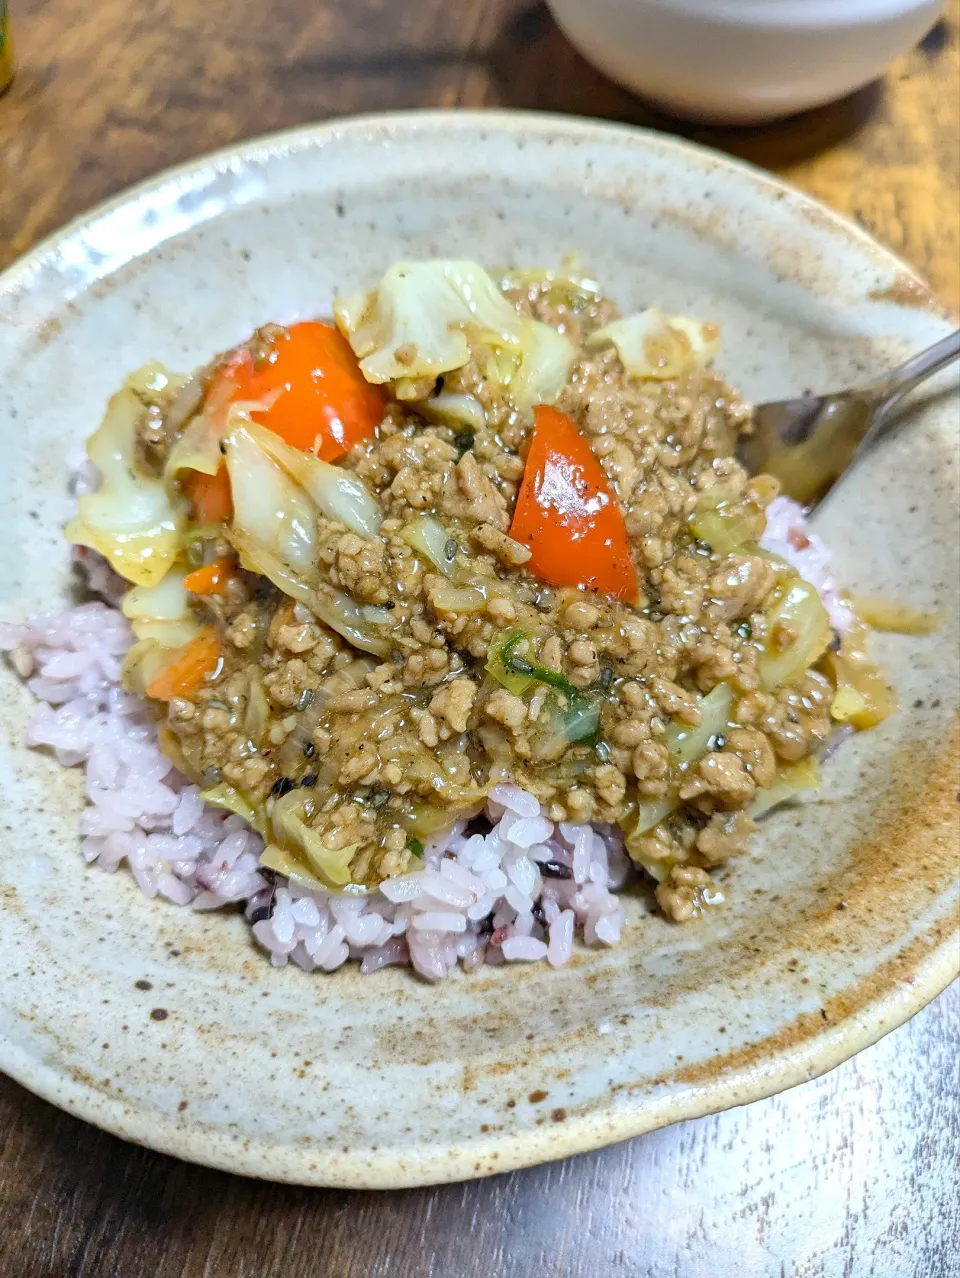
{"x":840,"y":924}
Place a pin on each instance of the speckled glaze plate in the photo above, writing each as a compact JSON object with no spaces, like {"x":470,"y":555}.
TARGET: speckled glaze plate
{"x":841,"y":923}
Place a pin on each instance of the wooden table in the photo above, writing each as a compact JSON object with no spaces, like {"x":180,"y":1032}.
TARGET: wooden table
{"x":854,"y":1174}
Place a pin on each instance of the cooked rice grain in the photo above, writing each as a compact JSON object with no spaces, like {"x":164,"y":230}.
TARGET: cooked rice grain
{"x":480,"y":897}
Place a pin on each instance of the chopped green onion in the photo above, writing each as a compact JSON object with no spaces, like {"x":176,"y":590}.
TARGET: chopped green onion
{"x":501,"y":659}
{"x":581,"y":721}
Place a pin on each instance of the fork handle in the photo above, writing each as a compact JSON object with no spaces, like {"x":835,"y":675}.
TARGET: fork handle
{"x":890,"y":389}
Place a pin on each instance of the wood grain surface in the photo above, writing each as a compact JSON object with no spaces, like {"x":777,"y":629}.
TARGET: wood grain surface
{"x":851,"y":1175}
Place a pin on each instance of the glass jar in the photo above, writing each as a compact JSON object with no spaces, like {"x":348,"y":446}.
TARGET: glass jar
{"x":6,"y":49}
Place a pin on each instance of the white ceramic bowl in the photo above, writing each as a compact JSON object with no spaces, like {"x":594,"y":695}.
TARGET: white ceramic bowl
{"x":383,"y":1080}
{"x":743,"y":61}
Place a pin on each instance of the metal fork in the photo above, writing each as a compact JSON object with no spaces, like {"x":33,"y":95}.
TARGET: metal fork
{"x":808,"y":443}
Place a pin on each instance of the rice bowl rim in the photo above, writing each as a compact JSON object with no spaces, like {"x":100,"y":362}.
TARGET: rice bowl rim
{"x":772,"y":1066}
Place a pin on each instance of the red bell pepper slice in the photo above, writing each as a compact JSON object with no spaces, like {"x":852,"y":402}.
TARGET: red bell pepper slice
{"x":567,"y":513}
{"x":315,"y":396}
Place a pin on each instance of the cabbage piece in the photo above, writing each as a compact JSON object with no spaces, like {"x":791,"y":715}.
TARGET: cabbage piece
{"x":654,"y":345}
{"x":455,"y":411}
{"x":331,"y":606}
{"x":847,"y":704}
{"x":142,"y":663}
{"x":456,"y":599}
{"x":641,"y":820}
{"x":885,"y":614}
{"x":362,"y":627}
{"x":338,"y":493}
{"x":351,"y":677}
{"x":256,"y":716}
{"x":428,"y":537}
{"x":566,"y":725}
{"x":546,"y":360}
{"x":580,"y":720}
{"x":293,"y":836}
{"x":414,"y":323}
{"x":686,"y":743}
{"x":863,"y":698}
{"x":162,"y":612}
{"x":225,"y":796}
{"x":270,"y":508}
{"x":791,"y":780}
{"x":795,"y":608}
{"x":133,"y":520}
{"x":258,"y":559}
{"x":291,"y":867}
{"x":423,"y":820}
{"x":420,"y":321}
{"x":566,"y":287}
{"x":278,"y":492}
{"x":724,"y":523}
{"x":198,"y":447}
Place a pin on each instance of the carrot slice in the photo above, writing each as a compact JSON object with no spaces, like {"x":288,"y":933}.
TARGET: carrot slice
{"x":210,"y":495}
{"x":211,"y":579}
{"x":190,"y":667}
{"x":314,"y":394}
{"x":567,"y":513}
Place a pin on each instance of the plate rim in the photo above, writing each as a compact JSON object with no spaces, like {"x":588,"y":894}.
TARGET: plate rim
{"x":602,"y":1124}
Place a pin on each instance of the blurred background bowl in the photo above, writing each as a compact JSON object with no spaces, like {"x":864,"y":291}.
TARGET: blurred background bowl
{"x":743,"y":61}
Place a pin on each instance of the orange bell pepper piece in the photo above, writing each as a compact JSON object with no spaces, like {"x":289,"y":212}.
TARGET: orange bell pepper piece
{"x":210,"y":495}
{"x":194,"y":663}
{"x":211,"y":579}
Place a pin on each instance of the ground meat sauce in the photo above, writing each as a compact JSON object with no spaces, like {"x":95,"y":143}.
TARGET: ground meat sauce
{"x":378,"y":754}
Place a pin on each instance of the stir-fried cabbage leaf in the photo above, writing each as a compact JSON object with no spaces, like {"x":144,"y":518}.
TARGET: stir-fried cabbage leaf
{"x":654,"y":345}
{"x":566,"y":287}
{"x":415,"y":322}
{"x":430,"y":539}
{"x":637,"y":822}
{"x":292,"y":836}
{"x":863,"y":698}
{"x":278,"y":492}
{"x":231,"y":800}
{"x":455,"y":411}
{"x":798,"y":633}
{"x":132,"y":519}
{"x":725,"y":524}
{"x":792,"y":779}
{"x":545,"y":363}
{"x":687,"y":743}
{"x":162,"y":612}
{"x":422,"y":317}
{"x":198,"y":447}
